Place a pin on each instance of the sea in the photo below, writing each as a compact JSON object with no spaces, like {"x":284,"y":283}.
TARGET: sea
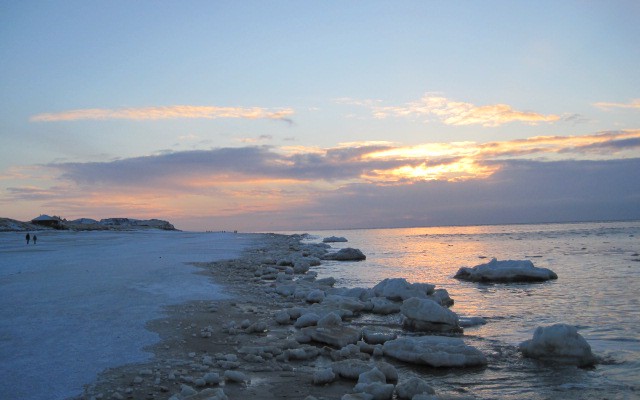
{"x":597,"y":290}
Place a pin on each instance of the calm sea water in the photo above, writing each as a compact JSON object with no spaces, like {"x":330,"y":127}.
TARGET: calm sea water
{"x":598,"y":289}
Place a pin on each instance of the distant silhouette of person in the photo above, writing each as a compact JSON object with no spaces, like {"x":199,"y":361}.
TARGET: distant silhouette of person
{"x":28,"y":237}
{"x":34,"y":239}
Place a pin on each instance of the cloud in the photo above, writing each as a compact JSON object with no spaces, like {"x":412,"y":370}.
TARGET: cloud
{"x":452,"y":112}
{"x":467,"y":160}
{"x":575,"y":118}
{"x":188,"y":137}
{"x":633,"y":104}
{"x":521,"y":191}
{"x":577,"y":146}
{"x":19,"y":172}
{"x":166,"y":112}
{"x":185,"y":169}
{"x":356,"y":102}
{"x":354,"y":184}
{"x":261,"y":138}
{"x":29,"y":193}
{"x":372,"y":162}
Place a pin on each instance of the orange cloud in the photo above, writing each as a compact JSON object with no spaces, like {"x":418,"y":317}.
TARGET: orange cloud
{"x":605,"y":143}
{"x":452,"y":171}
{"x":458,"y":161}
{"x":452,"y":112}
{"x":269,"y":180}
{"x":633,"y":104}
{"x":167,"y":112}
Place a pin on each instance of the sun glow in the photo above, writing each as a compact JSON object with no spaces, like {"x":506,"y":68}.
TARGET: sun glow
{"x":459,"y":170}
{"x":433,"y":161}
{"x":456,"y":149}
{"x":460,"y":161}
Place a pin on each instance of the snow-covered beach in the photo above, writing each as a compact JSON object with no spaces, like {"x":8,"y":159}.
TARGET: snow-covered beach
{"x":77,"y":302}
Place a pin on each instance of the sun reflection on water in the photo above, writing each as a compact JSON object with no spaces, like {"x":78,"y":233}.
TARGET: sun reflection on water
{"x":596,"y":291}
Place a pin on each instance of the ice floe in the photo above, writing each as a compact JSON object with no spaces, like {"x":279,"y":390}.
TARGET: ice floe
{"x":374,"y":383}
{"x":505,"y":271}
{"x":331,"y":331}
{"x":351,"y":369}
{"x":560,"y":343}
{"x":467,"y":322}
{"x":399,"y":289}
{"x":413,"y":386}
{"x":434,"y":351}
{"x":427,"y":315}
{"x":346,"y":254}
{"x":334,"y":239}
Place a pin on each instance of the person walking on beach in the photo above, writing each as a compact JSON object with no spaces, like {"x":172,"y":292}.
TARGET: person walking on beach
{"x":34,"y":239}
{"x":28,"y":237}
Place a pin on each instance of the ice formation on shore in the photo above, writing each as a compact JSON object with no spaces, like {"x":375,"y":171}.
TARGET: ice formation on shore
{"x":412,"y":387}
{"x":330,"y":330}
{"x":398,"y":289}
{"x":427,"y":315}
{"x":346,"y":254}
{"x":308,"y":322}
{"x":334,"y":239}
{"x":374,"y":383}
{"x":559,"y":343}
{"x":320,"y":314}
{"x":434,"y":351}
{"x":505,"y":271}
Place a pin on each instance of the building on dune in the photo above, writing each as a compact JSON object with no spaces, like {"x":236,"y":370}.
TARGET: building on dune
{"x":48,"y":221}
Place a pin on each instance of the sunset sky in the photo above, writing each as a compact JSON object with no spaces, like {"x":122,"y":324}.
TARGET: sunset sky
{"x":300,"y":115}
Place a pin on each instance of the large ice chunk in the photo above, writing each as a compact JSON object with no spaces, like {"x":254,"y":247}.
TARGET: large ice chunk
{"x":331,"y":331}
{"x":346,"y":254}
{"x":435,"y":351}
{"x":352,"y":368}
{"x":427,"y":315}
{"x":381,"y":305}
{"x":559,"y":343}
{"x":334,"y":239}
{"x":505,"y":271}
{"x":400,"y":289}
{"x":413,"y":387}
{"x":344,"y":302}
{"x":375,"y":384}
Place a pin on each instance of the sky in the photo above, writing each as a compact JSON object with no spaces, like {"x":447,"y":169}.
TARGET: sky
{"x":300,"y":115}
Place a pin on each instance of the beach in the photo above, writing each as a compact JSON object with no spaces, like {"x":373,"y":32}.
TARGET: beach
{"x":276,"y":318}
{"x":208,"y":336}
{"x":77,"y":303}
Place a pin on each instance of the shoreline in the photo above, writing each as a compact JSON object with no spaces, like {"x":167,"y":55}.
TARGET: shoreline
{"x":199,"y":337}
{"x":202,"y":337}
{"x":149,"y":271}
{"x":243,"y":347}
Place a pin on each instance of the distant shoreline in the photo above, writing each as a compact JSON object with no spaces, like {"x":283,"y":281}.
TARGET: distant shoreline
{"x":47,"y":223}
{"x":293,"y":231}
